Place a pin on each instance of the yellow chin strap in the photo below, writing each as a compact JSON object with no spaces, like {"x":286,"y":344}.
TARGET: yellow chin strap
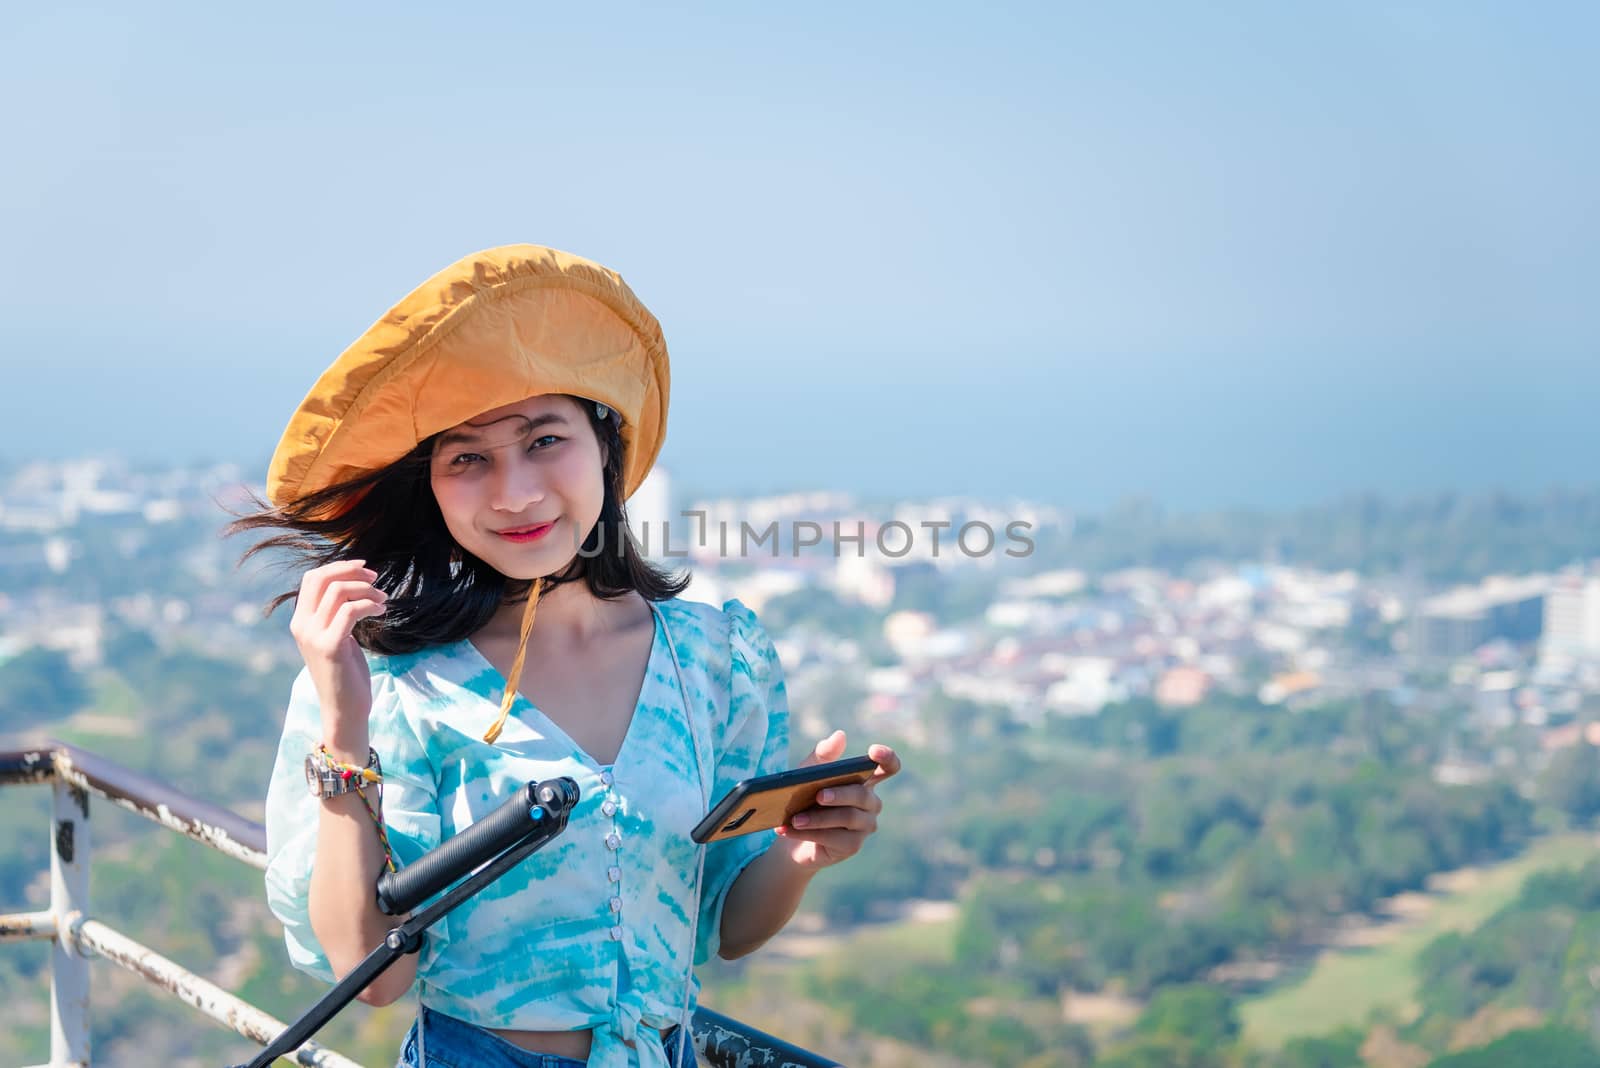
{"x":516,"y":665}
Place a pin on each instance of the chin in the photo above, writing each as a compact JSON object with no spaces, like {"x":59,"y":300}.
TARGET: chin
{"x":523,"y":571}
{"x":530,"y":567}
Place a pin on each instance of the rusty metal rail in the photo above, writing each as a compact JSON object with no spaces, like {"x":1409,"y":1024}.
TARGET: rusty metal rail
{"x":73,"y":774}
{"x":85,"y":772}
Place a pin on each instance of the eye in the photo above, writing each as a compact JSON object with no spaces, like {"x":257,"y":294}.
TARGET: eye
{"x":468,"y":459}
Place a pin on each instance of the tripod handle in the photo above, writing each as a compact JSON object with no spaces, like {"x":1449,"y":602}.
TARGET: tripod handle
{"x":533,"y":807}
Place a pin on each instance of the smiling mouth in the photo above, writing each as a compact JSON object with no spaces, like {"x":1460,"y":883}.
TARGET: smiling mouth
{"x":527,"y":533}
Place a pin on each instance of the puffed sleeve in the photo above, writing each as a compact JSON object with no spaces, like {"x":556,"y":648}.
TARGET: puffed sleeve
{"x":754,"y":741}
{"x":410,"y":812}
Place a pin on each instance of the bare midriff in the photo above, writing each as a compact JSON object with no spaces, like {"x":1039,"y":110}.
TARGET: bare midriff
{"x":574,"y":1044}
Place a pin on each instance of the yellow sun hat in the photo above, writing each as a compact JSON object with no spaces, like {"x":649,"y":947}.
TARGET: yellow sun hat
{"x":491,"y":329}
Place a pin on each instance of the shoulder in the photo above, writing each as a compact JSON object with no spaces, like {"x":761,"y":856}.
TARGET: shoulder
{"x":732,"y":629}
{"x":752,"y":645}
{"x":731,"y":671}
{"x":732,"y":649}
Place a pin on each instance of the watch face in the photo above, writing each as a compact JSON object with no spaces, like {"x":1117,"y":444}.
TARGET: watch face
{"x":313,"y":779}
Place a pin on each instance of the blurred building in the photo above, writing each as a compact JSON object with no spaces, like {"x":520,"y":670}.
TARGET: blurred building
{"x":1290,"y":684}
{"x":1455,"y":623}
{"x":1572,"y":618}
{"x":864,"y":578}
{"x":649,"y":512}
{"x":1182,"y":687}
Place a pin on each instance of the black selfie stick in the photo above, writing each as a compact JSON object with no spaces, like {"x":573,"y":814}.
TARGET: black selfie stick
{"x":537,"y":813}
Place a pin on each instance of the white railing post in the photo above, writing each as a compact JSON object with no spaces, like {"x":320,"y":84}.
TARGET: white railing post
{"x":69,"y":903}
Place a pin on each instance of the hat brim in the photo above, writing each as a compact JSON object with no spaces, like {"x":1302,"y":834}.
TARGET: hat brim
{"x":491,"y":329}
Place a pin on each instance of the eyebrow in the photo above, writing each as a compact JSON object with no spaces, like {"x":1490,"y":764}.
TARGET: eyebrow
{"x":459,"y":437}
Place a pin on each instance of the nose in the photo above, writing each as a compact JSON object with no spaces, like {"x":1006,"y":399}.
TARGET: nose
{"x":515,"y":484}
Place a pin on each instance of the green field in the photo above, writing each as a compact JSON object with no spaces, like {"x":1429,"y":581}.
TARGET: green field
{"x":1346,"y":985}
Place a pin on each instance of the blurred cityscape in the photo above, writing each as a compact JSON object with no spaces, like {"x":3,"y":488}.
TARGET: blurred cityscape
{"x":87,"y":543}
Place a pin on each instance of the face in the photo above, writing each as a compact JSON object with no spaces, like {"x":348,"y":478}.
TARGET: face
{"x":516,"y":467}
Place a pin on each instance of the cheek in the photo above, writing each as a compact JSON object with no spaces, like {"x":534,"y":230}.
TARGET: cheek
{"x":579,"y":476}
{"x":455,"y":505}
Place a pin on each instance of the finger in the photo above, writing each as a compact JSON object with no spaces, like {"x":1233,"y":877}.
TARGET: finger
{"x":328,"y":638}
{"x":351,"y":611}
{"x":319,"y":597}
{"x":338,"y":616}
{"x":852,"y":796}
{"x":888,"y":762}
{"x":837,"y":843}
{"x":850,"y":819}
{"x":316,"y":581}
{"x":830,"y":748}
{"x":343,"y":591}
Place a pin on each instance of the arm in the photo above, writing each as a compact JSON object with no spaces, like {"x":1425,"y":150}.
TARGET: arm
{"x":343,"y":905}
{"x":767,"y":892}
{"x":762,"y":900}
{"x":754,"y":882}
{"x":324,"y":856}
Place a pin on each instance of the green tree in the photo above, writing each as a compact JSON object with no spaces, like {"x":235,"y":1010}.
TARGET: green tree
{"x":38,"y":686}
{"x":1556,"y":1047}
{"x":1341,"y":1049}
{"x":1203,"y":1014}
{"x":1161,"y":1051}
{"x":1572,"y":782}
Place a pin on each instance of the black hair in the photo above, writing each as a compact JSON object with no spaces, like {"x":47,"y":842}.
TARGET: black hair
{"x":438,"y":592}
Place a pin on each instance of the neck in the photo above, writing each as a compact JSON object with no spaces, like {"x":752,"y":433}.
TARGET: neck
{"x":568,"y":616}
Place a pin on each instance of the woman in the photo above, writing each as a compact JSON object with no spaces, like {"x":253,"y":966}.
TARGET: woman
{"x":457,"y":473}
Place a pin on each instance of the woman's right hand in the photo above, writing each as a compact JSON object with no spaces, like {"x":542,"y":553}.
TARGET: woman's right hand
{"x":332,"y":599}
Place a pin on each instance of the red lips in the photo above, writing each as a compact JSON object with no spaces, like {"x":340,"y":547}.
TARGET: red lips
{"x":532,"y":533}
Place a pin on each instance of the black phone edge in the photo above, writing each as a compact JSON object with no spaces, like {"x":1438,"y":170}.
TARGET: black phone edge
{"x":777,"y":781}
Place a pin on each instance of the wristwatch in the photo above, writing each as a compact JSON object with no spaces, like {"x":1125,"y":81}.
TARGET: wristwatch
{"x":326,"y":780}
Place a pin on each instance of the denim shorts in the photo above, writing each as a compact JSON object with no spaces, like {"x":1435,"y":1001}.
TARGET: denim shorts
{"x":453,"y":1043}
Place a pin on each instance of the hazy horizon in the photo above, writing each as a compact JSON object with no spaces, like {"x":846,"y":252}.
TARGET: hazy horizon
{"x":1259,"y":257}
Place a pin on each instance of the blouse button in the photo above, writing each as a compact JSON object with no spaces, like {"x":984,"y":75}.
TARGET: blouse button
{"x":609,"y":808}
{"x":613,"y":841}
{"x":614,"y":874}
{"x":605,"y":777}
{"x":616,"y":904}
{"x":616,"y":934}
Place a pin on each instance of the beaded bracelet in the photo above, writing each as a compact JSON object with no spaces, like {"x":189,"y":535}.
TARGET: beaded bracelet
{"x":362,"y":777}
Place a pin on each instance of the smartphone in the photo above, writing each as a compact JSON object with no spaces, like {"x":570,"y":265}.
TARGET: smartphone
{"x":767,"y":801}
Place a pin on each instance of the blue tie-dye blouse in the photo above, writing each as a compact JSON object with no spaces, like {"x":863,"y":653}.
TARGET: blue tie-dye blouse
{"x":592,"y":931}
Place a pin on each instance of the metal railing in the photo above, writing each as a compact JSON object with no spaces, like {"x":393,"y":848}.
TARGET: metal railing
{"x":73,"y":774}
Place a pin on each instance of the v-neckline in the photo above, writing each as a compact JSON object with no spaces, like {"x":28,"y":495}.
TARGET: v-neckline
{"x":556,"y":728}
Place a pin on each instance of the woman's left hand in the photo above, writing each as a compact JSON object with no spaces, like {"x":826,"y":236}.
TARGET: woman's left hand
{"x":838,"y":824}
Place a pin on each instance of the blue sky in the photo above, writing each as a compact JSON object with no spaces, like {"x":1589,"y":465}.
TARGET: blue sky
{"x":1241,"y":254}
